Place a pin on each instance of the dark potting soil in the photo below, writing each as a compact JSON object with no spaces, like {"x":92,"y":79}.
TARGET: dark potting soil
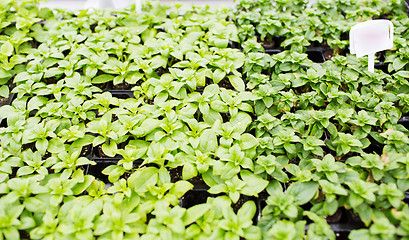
{"x":86,"y":151}
{"x":122,"y":86}
{"x":3,"y":101}
{"x":175,"y":174}
{"x":193,"y":198}
{"x":315,"y":56}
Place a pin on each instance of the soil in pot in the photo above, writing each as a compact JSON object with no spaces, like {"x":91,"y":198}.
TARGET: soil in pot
{"x":98,"y":153}
{"x":122,"y":86}
{"x":3,"y":101}
{"x":208,"y":82}
{"x":354,"y":219}
{"x":193,"y":198}
{"x":86,"y":151}
{"x":225,"y":83}
{"x":160,"y":71}
{"x":234,"y":45}
{"x":197,"y":181}
{"x":374,"y":147}
{"x":102,"y":86}
{"x":175,"y":174}
{"x":328,"y":54}
{"x":335,"y":218}
{"x":315,"y":56}
{"x":122,"y":94}
{"x":96,"y":170}
{"x":341,"y":235}
{"x":241,"y":201}
{"x":406,"y":199}
{"x":273,"y":42}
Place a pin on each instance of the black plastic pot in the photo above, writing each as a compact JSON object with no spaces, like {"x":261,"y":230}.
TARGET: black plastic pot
{"x":122,"y":94}
{"x":404,"y":121}
{"x":96,"y":170}
{"x":86,"y":151}
{"x":274,"y":44}
{"x":381,"y":65}
{"x":316,"y":55}
{"x":406,"y":199}
{"x":232,"y":44}
{"x":272,"y":51}
{"x":9,"y":100}
{"x":347,"y":222}
{"x":194,"y":197}
{"x":99,"y":155}
{"x":374,"y":147}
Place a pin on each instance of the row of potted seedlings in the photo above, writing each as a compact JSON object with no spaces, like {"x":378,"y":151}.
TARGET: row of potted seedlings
{"x":320,"y":30}
{"x":159,"y":125}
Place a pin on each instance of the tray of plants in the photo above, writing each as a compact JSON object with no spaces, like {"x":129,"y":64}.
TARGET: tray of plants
{"x":187,"y":122}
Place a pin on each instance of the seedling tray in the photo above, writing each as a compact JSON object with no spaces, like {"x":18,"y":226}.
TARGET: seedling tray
{"x":247,"y":122}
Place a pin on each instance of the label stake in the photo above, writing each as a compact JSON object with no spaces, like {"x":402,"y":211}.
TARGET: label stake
{"x":370,"y":37}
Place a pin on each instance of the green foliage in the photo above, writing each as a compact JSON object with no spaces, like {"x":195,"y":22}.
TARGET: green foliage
{"x":269,"y":145}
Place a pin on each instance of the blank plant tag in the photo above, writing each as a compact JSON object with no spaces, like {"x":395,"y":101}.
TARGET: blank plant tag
{"x":138,"y":6}
{"x":370,"y":37}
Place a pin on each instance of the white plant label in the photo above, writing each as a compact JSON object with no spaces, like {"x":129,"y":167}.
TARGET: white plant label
{"x":370,"y":37}
{"x":138,"y":6}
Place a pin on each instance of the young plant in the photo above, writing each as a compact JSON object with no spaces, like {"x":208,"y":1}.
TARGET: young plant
{"x":250,"y":184}
{"x":110,"y":134}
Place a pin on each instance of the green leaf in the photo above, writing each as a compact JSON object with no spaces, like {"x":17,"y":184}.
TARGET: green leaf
{"x":4,"y":91}
{"x":360,"y":234}
{"x":218,"y":75}
{"x":86,"y":140}
{"x":303,"y":192}
{"x":41,"y":145}
{"x":147,"y":126}
{"x":7,"y":49}
{"x":180,"y":188}
{"x":109,"y":150}
{"x":195,"y":213}
{"x":56,"y":145}
{"x":22,"y":77}
{"x":247,"y":141}
{"x":398,"y":64}
{"x":208,"y":141}
{"x":103,"y":78}
{"x":36,"y":102}
{"x":211,"y":179}
{"x":241,"y":121}
{"x":189,"y":171}
{"x":81,"y":187}
{"x":219,"y":106}
{"x":277,"y":85}
{"x":212,"y":117}
{"x":140,"y":180}
{"x":330,"y":207}
{"x":247,"y":211}
{"x":221,"y":42}
{"x":404,"y":74}
{"x":98,"y":140}
{"x":25,"y":170}
{"x":237,"y":83}
{"x":217,"y":188}
{"x":5,"y":74}
{"x":177,"y":54}
{"x":254,"y":183}
{"x":253,"y":232}
{"x":52,"y":72}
